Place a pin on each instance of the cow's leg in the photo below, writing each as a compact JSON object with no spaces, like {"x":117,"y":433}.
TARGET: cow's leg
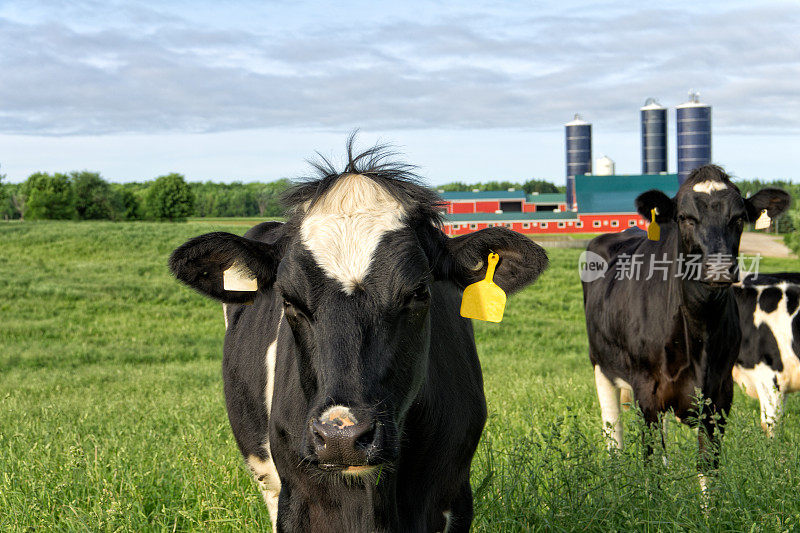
{"x":626,"y":398}
{"x":664,"y":436}
{"x":266,"y":475}
{"x":771,"y":399}
{"x":608,"y":394}
{"x":459,"y":517}
{"x":708,"y":449}
{"x":710,"y":431}
{"x":652,"y":422}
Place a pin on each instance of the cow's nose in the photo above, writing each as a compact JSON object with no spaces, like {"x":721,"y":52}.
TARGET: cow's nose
{"x":340,"y":439}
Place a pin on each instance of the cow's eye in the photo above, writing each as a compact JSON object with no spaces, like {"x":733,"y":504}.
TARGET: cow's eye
{"x":292,"y":310}
{"x":688,"y":219}
{"x":739,"y":219}
{"x":420,"y":295}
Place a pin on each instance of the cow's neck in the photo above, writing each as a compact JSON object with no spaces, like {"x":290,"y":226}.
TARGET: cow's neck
{"x":702,"y":304}
{"x":699,"y":304}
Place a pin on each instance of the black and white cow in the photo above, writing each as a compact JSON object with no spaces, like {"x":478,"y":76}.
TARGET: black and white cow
{"x":664,"y":335}
{"x":352,"y":383}
{"x":768,"y":366}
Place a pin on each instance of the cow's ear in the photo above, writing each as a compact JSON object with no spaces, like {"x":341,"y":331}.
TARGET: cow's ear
{"x":200,"y":263}
{"x":646,"y":201}
{"x":775,"y":201}
{"x":463,"y":259}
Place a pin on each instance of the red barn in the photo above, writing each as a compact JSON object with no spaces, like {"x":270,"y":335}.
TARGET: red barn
{"x":605,"y":204}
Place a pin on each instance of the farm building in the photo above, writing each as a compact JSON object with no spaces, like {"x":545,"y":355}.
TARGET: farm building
{"x":510,"y":201}
{"x":604,"y":204}
{"x":599,"y":201}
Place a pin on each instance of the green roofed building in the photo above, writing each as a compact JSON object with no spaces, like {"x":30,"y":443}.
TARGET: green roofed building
{"x":617,"y":194}
{"x":483,"y":195}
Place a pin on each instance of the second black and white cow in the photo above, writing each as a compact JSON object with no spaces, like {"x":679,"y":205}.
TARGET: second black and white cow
{"x":768,"y":366}
{"x":352,"y":384}
{"x":666,"y":332}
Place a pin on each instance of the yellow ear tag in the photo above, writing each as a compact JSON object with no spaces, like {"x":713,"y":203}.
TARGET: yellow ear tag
{"x":239,"y":278}
{"x":763,"y":221}
{"x":653,"y":231}
{"x":484,"y":300}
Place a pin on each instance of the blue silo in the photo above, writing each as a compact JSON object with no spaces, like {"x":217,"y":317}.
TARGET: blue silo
{"x":654,"y":137}
{"x":579,"y":153}
{"x":694,"y":136}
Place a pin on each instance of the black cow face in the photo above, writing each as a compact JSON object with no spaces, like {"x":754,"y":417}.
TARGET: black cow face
{"x":354,"y":273}
{"x":710,"y":213}
{"x":362,"y":345}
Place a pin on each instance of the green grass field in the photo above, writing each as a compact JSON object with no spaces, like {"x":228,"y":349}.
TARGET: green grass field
{"x":112,"y":416}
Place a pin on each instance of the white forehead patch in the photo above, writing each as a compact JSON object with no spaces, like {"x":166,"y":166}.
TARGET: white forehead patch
{"x":343,"y":228}
{"x":709,"y":186}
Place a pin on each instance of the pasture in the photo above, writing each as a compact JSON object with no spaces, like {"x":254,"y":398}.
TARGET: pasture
{"x":112,"y":416}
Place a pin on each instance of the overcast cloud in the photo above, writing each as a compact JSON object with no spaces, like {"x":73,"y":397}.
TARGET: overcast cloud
{"x":90,"y":68}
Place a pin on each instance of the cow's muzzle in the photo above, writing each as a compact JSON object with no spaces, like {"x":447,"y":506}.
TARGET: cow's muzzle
{"x":342,"y":442}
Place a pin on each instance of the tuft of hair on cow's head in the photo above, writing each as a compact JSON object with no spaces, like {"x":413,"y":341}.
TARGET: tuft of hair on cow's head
{"x":379,"y":165}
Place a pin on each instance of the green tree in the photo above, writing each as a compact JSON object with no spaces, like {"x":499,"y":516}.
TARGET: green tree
{"x":792,"y":239}
{"x":92,"y":195}
{"x":540,"y":186}
{"x":169,"y":198}
{"x":268,"y":197}
{"x":47,"y":196}
{"x":3,"y":191}
{"x":204,"y":198}
{"x":455,"y":186}
{"x":124,"y":203}
{"x":534,"y":185}
{"x":14,"y":206}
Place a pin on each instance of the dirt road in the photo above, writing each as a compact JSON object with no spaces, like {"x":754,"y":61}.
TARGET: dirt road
{"x":764,"y":244}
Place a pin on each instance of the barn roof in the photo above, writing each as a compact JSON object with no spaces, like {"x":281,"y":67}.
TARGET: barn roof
{"x":483,"y":195}
{"x":500,"y":217}
{"x":547,"y":198}
{"x":617,"y":194}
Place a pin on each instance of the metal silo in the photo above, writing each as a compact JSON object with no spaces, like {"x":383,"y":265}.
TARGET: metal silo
{"x":694,"y":135}
{"x":579,"y":153}
{"x":654,"y":137}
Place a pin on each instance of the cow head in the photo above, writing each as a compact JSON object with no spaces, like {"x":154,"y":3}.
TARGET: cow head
{"x":709,"y":214}
{"x":353,"y":269}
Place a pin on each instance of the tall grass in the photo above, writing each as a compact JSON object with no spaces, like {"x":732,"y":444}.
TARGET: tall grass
{"x":112,"y":416}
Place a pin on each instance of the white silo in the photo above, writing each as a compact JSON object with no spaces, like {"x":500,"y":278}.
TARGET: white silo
{"x":604,"y":166}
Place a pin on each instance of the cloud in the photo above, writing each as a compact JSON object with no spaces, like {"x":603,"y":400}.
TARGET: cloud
{"x":150,"y":71}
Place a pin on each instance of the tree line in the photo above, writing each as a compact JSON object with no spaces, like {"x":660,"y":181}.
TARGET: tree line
{"x":530,"y":186}
{"x":85,"y":195}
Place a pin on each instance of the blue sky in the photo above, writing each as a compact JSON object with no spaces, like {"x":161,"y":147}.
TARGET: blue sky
{"x":470,"y":91}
